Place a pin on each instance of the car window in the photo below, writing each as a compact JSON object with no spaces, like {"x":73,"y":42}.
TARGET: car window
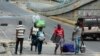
{"x":90,"y":22}
{"x":99,"y":22}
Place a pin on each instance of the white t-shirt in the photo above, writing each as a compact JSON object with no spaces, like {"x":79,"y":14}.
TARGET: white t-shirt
{"x":78,"y":31}
{"x":20,"y":29}
{"x":35,"y":30}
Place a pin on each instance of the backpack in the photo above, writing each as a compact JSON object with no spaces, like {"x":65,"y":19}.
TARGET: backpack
{"x":40,"y":35}
{"x":40,"y":23}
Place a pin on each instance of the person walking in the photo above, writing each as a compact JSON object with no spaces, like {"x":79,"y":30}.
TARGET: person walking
{"x":20,"y":32}
{"x":33,"y":35}
{"x":41,"y":38}
{"x":76,"y":36}
{"x":58,"y":38}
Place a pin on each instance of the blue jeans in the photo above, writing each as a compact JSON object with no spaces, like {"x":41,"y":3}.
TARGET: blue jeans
{"x":39,"y":46}
{"x":77,"y":44}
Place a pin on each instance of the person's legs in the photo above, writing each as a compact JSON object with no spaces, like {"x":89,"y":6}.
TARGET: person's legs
{"x":21,"y":45}
{"x":61,"y":45}
{"x":16,"y":47}
{"x":31,"y":44}
{"x":77,"y":45}
{"x":56,"y":47}
{"x":31,"y":47}
{"x":40,"y":47}
{"x":61,"y":50}
{"x":34,"y":42}
{"x":35,"y":47}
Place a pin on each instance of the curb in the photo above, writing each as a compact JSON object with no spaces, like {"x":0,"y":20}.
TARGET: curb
{"x":64,"y":20}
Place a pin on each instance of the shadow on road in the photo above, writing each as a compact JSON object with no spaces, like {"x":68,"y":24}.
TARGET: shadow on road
{"x":71,"y":54}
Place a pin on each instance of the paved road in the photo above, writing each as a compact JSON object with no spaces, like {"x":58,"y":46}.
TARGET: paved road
{"x":92,"y":46}
{"x":50,"y":25}
{"x":12,"y":9}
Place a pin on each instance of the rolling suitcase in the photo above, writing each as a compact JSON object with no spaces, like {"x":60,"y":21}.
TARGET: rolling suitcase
{"x":68,"y":47}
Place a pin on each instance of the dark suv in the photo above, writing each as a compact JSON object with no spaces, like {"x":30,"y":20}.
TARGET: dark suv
{"x":91,"y":27}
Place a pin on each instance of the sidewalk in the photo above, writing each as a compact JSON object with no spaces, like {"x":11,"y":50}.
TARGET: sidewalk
{"x":64,"y":20}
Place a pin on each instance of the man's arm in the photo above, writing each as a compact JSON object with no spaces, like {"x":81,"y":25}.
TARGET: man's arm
{"x":16,"y":33}
{"x":30,"y":32}
{"x":73,"y":36}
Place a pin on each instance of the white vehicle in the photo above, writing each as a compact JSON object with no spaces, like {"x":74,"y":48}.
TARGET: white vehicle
{"x":91,"y":27}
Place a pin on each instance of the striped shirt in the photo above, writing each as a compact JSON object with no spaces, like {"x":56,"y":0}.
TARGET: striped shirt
{"x":20,"y":30}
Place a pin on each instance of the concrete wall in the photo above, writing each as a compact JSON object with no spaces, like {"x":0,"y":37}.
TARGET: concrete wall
{"x":89,"y":9}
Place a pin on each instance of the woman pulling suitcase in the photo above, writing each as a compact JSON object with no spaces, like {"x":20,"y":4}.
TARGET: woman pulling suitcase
{"x":58,"y":38}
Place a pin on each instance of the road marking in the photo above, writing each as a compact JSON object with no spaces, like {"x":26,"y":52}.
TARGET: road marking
{"x":6,"y":42}
{"x":62,"y":22}
{"x":3,"y":32}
